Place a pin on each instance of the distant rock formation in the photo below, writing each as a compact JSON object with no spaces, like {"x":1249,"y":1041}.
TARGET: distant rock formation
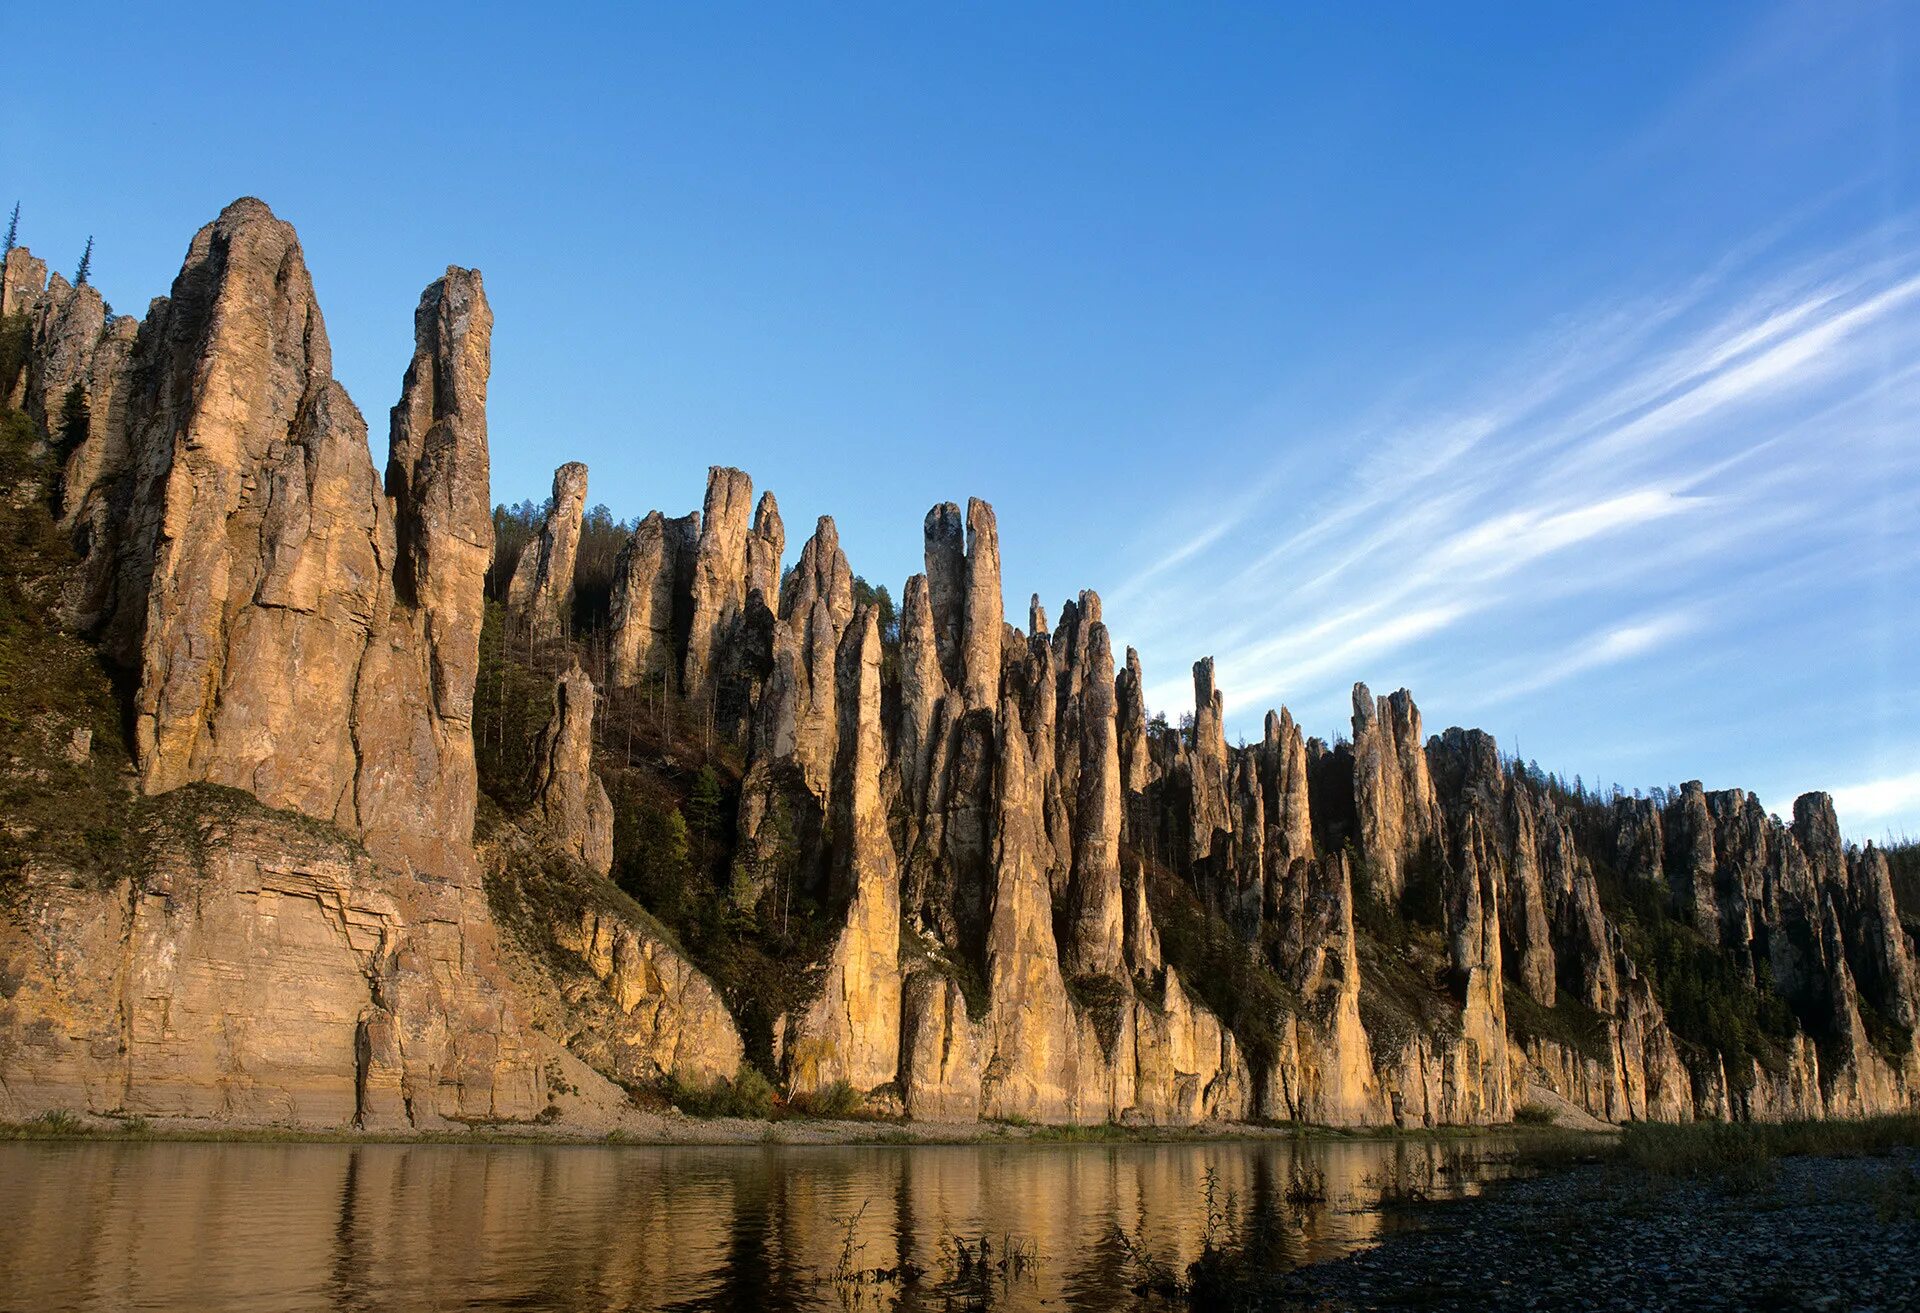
{"x":576,"y":814}
{"x":541,"y":591}
{"x":1033,"y":897}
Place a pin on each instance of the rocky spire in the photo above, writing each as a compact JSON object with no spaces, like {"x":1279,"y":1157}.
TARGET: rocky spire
{"x":986,"y":618}
{"x":1130,"y":723}
{"x":76,"y":381}
{"x":575,"y":813}
{"x":719,"y":577}
{"x":250,"y":612}
{"x":1036,"y":618}
{"x":922,"y":686}
{"x":1691,"y":861}
{"x":1097,"y":945}
{"x":1030,"y":1045}
{"x":814,"y":613}
{"x":645,"y":580}
{"x":1523,"y":918}
{"x":1283,"y":777}
{"x":1639,"y":839}
{"x":1473,"y":941}
{"x":437,"y":481}
{"x":1210,"y":808}
{"x":1817,"y":831}
{"x":852,"y":1030}
{"x":1249,"y":814}
{"x":765,"y":546}
{"x":66,"y":328}
{"x":541,"y":590}
{"x":946,"y":556}
{"x":1392,"y":791}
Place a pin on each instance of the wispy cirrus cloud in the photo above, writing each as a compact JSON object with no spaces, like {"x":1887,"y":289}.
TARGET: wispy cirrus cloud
{"x":1645,"y":461}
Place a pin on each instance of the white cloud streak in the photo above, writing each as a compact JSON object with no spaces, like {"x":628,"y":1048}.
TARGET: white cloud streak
{"x":1647,"y":446}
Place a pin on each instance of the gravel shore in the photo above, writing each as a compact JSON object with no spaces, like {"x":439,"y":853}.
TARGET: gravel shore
{"x":1802,"y":1233}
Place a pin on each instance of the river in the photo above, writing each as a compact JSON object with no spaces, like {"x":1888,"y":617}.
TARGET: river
{"x":265,"y":1227}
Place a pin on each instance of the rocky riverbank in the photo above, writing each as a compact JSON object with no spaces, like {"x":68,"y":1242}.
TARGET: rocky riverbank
{"x":1802,"y":1233}
{"x":670,"y":1128}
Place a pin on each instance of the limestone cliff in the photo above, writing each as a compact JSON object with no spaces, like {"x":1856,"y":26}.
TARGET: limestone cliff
{"x":744,"y":814}
{"x":295,"y":630}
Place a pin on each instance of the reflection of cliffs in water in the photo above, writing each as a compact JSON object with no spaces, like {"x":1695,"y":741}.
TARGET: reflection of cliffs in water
{"x":404,"y":1227}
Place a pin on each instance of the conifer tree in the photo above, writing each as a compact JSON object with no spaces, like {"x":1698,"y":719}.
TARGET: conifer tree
{"x":13,"y":230}
{"x":86,"y":264}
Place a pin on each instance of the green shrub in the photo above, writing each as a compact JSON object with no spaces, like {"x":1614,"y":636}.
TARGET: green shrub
{"x":1221,"y":968}
{"x":839,"y":1099}
{"x":748,"y":1094}
{"x":1709,"y":999}
{"x":1533,"y":1114}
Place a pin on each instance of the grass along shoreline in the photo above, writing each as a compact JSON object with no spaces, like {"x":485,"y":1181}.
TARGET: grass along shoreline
{"x":669,"y":1131}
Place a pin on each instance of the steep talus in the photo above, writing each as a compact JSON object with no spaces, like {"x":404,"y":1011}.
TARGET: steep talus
{"x":740,"y":812}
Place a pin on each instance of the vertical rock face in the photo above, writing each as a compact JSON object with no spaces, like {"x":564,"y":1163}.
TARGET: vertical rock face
{"x":939,"y":1050}
{"x":814,"y":614}
{"x":541,"y":591}
{"x":1473,"y":942}
{"x":67,"y":326}
{"x":259,"y":535}
{"x":72,"y":382}
{"x":297,"y":631}
{"x":1691,"y":861}
{"x":1031,"y":1045}
{"x":1136,"y":756}
{"x":641,"y":650}
{"x":985,"y":613}
{"x":1886,"y":960}
{"x":1284,"y":786}
{"x":437,"y":484}
{"x":766,"y":544}
{"x":946,"y":557}
{"x":1098,"y":920}
{"x":990,"y":817}
{"x":1325,"y":1072}
{"x":22,"y":279}
{"x":852,"y":1031}
{"x":1247,"y":886}
{"x":573,"y":805}
{"x":795,"y":733}
{"x":1212,"y":817}
{"x":1466,"y":764}
{"x":922,"y":686}
{"x":719,"y":576}
{"x":1392,"y":791}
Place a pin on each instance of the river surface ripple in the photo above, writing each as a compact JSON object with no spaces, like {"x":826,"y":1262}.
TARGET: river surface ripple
{"x":269,"y":1227}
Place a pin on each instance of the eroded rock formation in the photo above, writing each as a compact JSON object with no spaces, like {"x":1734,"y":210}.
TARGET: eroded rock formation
{"x":1037,"y":899}
{"x":294,"y":630}
{"x":575,"y":813}
{"x":541,"y":591}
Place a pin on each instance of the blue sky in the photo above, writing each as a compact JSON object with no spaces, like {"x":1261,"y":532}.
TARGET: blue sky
{"x":1559,"y":362}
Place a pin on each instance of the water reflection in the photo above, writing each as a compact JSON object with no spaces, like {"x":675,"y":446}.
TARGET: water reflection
{"x":397,"y":1227}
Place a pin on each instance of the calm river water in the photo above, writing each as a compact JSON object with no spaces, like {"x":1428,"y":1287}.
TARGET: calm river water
{"x":405,"y":1227}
